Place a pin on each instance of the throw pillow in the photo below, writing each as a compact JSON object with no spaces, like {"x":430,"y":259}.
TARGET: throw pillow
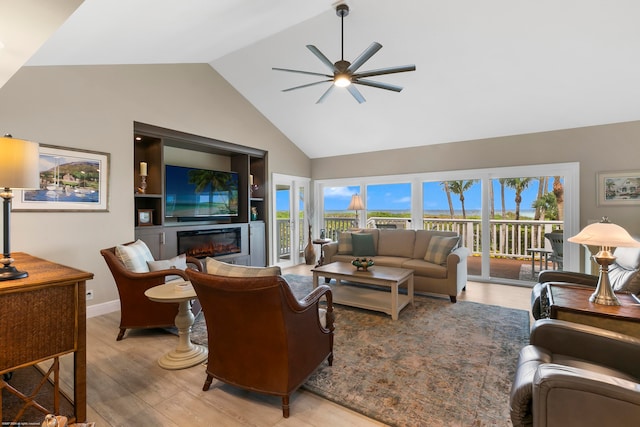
{"x":345,"y":243}
{"x":439,"y":248}
{"x":179,"y":262}
{"x":135,"y":256}
{"x":363,"y":244}
{"x":231,"y":270}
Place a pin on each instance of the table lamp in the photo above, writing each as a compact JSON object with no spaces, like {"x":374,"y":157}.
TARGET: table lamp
{"x":18,"y":170}
{"x":606,"y":235}
{"x":356,"y":205}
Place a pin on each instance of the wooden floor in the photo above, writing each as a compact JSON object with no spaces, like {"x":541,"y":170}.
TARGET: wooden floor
{"x":126,"y":387}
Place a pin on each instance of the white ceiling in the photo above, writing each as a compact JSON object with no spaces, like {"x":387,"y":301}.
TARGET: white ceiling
{"x":484,"y":68}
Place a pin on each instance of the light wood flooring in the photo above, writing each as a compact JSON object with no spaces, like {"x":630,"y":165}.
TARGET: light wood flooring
{"x":126,"y":387}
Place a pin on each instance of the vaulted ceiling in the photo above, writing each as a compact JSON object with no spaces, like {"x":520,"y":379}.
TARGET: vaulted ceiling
{"x":484,"y":69}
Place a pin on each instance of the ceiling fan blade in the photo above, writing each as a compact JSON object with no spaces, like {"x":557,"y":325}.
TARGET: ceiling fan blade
{"x":301,"y":72}
{"x":389,"y":70}
{"x":378,"y":85}
{"x":356,"y":94}
{"x":324,"y":95}
{"x":307,"y":85}
{"x":364,"y":57}
{"x":321,"y":57}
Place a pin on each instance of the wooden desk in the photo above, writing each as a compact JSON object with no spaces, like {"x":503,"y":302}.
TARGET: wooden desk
{"x":571,"y":303}
{"x":43,"y":316}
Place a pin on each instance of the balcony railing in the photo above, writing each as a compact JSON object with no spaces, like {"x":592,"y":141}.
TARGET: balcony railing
{"x":508,"y":238}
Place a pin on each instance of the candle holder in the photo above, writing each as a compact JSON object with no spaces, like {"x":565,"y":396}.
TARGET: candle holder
{"x":254,"y":188}
{"x":143,"y":184}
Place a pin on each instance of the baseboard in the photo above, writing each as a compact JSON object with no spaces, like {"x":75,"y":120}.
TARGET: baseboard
{"x":103,"y":308}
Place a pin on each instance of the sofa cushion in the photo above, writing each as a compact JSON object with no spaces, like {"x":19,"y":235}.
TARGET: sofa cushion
{"x":135,"y":256}
{"x":423,"y":237}
{"x":345,"y":243}
{"x":179,"y":262}
{"x":231,"y":270}
{"x":396,"y":243}
{"x":363,"y":244}
{"x":425,"y":268}
{"x":439,"y":248}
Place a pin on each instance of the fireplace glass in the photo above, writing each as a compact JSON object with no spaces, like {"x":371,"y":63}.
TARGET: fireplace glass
{"x":210,"y":243}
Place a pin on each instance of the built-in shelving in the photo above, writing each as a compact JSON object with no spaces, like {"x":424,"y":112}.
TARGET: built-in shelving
{"x":157,"y":146}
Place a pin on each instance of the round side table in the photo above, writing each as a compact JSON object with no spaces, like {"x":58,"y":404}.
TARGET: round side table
{"x":321,"y":242}
{"x":186,"y":354}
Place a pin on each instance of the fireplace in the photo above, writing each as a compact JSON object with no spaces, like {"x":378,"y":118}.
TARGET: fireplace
{"x":211,"y":242}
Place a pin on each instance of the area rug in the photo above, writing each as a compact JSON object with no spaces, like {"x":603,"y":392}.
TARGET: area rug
{"x":440,"y":364}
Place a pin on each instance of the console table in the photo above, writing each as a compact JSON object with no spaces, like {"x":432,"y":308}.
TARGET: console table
{"x":571,"y":303}
{"x":43,"y":316}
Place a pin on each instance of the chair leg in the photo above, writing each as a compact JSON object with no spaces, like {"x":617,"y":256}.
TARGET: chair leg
{"x":121,"y":334}
{"x":207,"y":382}
{"x":453,"y":298}
{"x":285,"y":406}
{"x":330,"y":359}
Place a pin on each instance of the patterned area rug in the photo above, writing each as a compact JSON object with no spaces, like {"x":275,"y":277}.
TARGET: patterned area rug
{"x":440,"y":364}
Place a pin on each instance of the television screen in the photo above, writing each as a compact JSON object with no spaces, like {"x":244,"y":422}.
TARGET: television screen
{"x":192,"y":192}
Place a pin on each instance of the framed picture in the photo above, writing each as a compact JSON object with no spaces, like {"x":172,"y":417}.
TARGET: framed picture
{"x":71,"y":180}
{"x":618,"y":188}
{"x":145,"y":217}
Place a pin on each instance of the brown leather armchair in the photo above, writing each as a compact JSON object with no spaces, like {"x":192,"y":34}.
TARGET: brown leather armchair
{"x":261,"y":338}
{"x":576,"y":375}
{"x":136,"y":310}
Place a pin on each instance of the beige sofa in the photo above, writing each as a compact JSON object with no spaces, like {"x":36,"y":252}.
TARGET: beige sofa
{"x":445,"y":271}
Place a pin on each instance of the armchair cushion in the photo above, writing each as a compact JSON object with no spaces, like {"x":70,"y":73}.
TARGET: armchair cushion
{"x":135,"y":256}
{"x":439,"y":249}
{"x":230,"y":270}
{"x":624,"y":274}
{"x":179,"y":262}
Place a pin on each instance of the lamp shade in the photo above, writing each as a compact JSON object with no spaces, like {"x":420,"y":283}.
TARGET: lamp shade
{"x":605,"y":233}
{"x":356,"y":203}
{"x":19,"y":163}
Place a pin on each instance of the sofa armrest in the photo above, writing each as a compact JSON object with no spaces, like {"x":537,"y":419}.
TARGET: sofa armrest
{"x":567,"y":276}
{"x":330,"y":249}
{"x":560,"y":396}
{"x":596,"y":345}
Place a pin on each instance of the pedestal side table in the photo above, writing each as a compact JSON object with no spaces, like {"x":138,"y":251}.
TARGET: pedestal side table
{"x":186,"y":354}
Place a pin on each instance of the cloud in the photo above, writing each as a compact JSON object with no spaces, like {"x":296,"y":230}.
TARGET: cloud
{"x":339,"y":192}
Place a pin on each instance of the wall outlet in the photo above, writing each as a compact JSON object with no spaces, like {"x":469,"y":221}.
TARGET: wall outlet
{"x":89,"y":294}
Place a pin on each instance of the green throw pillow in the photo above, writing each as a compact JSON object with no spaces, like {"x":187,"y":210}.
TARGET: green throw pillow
{"x":363,"y":244}
{"x":439,"y":248}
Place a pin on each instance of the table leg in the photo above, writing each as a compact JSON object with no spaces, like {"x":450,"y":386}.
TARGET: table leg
{"x":410,"y":289}
{"x":186,"y":353}
{"x":394,"y":301}
{"x":533,"y":265}
{"x":316,"y":279}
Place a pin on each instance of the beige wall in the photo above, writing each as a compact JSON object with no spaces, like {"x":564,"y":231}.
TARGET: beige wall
{"x":613,"y":147}
{"x":94,"y":108}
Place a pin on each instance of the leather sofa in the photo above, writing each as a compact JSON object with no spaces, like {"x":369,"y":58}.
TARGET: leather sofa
{"x":576,"y":375}
{"x":444,"y":273}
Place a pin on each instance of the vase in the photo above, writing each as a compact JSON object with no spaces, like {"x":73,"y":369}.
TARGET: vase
{"x":309,"y":252}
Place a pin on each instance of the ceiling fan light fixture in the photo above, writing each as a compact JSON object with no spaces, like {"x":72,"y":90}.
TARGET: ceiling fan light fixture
{"x":342,"y":80}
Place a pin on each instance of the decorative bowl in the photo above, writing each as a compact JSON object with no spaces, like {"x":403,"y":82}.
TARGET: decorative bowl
{"x":362,"y":264}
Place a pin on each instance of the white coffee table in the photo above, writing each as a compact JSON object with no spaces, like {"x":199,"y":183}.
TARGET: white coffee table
{"x":368,"y":298}
{"x":186,"y":354}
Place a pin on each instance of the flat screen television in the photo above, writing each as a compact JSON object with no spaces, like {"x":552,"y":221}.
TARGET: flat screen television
{"x":200,"y":193}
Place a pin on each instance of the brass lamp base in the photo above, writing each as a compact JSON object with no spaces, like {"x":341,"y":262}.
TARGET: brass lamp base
{"x":604,"y":294}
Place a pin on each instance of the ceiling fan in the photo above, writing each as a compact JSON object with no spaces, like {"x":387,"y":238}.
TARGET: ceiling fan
{"x":344,"y":72}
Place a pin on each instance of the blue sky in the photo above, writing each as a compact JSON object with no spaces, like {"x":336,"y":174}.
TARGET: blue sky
{"x":383,"y":197}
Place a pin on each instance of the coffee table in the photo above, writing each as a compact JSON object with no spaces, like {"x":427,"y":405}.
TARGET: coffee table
{"x":363,"y":297}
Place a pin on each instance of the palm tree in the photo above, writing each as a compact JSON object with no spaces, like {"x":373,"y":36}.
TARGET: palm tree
{"x":501,"y":181}
{"x":459,"y":187}
{"x":558,"y":191}
{"x":218,"y":180}
{"x":519,"y":185}
{"x":447,"y":190}
{"x":542,"y":188}
{"x":547,"y":205}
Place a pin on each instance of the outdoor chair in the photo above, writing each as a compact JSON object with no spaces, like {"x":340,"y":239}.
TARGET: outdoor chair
{"x":261,"y":338}
{"x":556,"y":239}
{"x":136,"y":310}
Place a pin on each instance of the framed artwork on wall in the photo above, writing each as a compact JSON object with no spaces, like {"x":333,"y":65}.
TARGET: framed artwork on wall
{"x":618,"y":188}
{"x":71,"y":180}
